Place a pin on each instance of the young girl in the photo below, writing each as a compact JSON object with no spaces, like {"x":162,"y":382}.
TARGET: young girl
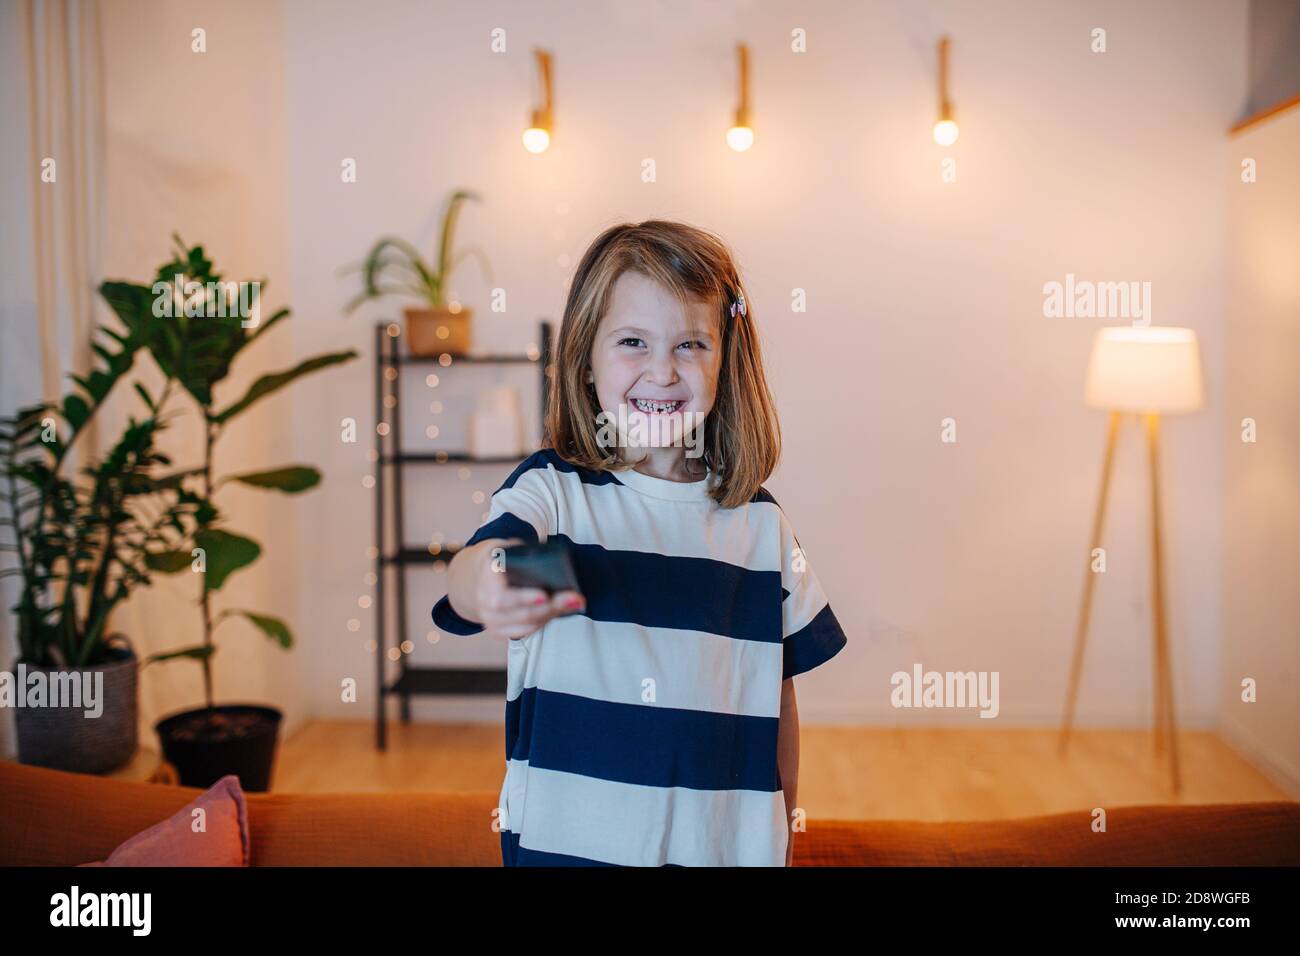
{"x":650,"y":718}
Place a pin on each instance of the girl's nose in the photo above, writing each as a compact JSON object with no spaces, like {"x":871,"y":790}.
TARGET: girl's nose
{"x":663,"y":368}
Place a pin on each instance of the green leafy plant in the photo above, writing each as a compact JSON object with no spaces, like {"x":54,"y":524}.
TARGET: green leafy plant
{"x":395,"y":267}
{"x":196,"y":349}
{"x":82,"y":542}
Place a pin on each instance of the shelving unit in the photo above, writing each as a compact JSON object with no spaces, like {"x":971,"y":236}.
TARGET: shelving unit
{"x":392,"y":552}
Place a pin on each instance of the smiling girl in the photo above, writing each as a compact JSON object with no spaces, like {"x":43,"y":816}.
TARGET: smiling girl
{"x":651,"y":718}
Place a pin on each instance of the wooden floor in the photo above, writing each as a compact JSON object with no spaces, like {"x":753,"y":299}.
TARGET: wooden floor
{"x":845,"y":772}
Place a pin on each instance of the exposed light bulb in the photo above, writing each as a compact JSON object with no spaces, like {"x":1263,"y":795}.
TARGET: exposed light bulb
{"x":740,"y":138}
{"x":536,"y":139}
{"x":945,"y":132}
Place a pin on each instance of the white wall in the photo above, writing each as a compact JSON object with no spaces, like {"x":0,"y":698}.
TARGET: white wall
{"x":196,"y":145}
{"x":925,"y":299}
{"x":1261,"y":633}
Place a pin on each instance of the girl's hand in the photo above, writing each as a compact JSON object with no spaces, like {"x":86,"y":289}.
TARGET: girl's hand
{"x":515,"y":613}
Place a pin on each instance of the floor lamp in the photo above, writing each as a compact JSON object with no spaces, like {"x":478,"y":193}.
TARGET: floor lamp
{"x":1146,"y":372}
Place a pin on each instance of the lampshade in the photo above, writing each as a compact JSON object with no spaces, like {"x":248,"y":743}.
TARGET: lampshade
{"x":1145,"y":369}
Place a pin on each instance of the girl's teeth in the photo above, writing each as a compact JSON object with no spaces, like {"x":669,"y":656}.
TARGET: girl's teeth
{"x":655,"y":407}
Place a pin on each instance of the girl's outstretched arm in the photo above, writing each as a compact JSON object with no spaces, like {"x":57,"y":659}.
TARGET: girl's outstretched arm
{"x":787,"y":759}
{"x":478,"y":592}
{"x":465,"y":571}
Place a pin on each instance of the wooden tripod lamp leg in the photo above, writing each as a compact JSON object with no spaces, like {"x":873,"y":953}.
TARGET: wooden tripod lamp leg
{"x":1089,"y":578}
{"x":1164,"y":684}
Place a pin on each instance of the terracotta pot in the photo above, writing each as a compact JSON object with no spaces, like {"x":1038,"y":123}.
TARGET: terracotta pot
{"x":434,"y":331}
{"x":66,"y":738}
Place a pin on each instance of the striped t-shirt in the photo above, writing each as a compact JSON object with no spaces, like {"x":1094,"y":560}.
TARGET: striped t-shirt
{"x":642,"y":731}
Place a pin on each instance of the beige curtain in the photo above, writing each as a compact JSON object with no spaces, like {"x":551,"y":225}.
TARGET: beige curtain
{"x":66,"y":110}
{"x":52,"y":60}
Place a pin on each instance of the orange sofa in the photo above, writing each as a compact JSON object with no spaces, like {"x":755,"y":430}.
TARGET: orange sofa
{"x":52,"y":818}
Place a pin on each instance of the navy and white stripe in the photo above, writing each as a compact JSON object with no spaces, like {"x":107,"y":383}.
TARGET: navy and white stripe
{"x":643,"y":731}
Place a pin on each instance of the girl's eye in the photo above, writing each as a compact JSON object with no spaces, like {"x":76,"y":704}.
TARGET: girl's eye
{"x":696,"y":343}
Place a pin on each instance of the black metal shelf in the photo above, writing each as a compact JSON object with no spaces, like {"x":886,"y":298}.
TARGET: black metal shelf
{"x":444,"y":458}
{"x":454,"y":358}
{"x":419,"y":555}
{"x":413,"y":680}
{"x":449,"y":680}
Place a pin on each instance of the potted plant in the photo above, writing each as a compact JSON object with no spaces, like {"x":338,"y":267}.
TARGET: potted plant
{"x":395,"y":267}
{"x":196,"y":345}
{"x":80,"y":545}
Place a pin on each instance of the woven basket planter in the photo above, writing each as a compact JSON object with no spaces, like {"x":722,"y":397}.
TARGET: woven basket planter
{"x":64,"y":738}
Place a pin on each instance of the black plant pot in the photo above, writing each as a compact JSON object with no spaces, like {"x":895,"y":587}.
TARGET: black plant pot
{"x":206,"y":745}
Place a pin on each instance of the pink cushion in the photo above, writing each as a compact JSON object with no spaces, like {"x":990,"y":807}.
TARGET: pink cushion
{"x":175,"y":842}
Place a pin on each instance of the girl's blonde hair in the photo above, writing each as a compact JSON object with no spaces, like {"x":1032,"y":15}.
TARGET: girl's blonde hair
{"x":742,"y":436}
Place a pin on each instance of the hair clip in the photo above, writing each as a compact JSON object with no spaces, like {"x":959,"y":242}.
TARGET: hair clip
{"x":738,"y":304}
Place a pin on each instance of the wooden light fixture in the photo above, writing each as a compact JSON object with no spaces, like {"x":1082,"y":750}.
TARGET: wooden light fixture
{"x":538,"y":135}
{"x":945,"y":129}
{"x":741,"y":135}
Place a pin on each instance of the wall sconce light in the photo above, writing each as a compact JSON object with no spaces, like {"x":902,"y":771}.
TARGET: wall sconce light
{"x":538,"y":135}
{"x":741,"y":135}
{"x":945,"y":130}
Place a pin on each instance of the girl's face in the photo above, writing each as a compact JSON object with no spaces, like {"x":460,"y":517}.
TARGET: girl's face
{"x":651,"y":348}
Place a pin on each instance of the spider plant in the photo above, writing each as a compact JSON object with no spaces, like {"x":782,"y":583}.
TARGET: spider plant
{"x":395,"y":267}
